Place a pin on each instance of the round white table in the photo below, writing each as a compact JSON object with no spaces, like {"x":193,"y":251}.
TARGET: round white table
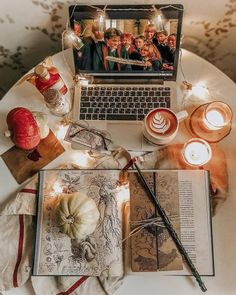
{"x":196,"y":70}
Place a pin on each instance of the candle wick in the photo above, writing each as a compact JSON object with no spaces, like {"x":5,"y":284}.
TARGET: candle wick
{"x":194,"y":156}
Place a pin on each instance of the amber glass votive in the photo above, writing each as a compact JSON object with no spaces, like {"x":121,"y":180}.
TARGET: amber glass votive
{"x":211,"y":121}
{"x":217,"y":115}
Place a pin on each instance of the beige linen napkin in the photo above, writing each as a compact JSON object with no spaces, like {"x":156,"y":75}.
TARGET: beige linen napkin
{"x":17,"y":233}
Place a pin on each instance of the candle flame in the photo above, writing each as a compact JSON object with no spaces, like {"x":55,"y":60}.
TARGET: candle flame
{"x":214,"y":120}
{"x":197,"y":152}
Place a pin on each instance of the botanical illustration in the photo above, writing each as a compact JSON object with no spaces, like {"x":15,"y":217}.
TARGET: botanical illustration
{"x":93,"y":254}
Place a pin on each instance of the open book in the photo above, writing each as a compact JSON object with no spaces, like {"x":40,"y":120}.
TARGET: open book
{"x":185,"y":199}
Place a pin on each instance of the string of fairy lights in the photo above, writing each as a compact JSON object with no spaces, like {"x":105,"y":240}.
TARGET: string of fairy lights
{"x":101,"y":16}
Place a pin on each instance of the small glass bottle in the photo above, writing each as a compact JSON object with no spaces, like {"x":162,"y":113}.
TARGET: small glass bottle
{"x":47,"y":80}
{"x":57,"y":103}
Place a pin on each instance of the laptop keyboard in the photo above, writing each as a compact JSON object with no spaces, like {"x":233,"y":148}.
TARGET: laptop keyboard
{"x":121,"y":103}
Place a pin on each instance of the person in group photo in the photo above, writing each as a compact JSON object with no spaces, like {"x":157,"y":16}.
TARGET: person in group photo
{"x":139,"y":42}
{"x":83,"y":55}
{"x":95,"y":40}
{"x":170,"y":56}
{"x":127,"y":42}
{"x":97,"y":34}
{"x":111,"y":47}
{"x":162,"y":37}
{"x":150,"y":34}
{"x":136,"y":55}
{"x":171,"y":42}
{"x":152,"y":58}
{"x":162,"y":45}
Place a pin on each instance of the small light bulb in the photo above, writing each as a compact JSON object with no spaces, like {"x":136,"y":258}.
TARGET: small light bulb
{"x":57,"y":188}
{"x":60,"y":133}
{"x":200,"y":91}
{"x":81,"y":159}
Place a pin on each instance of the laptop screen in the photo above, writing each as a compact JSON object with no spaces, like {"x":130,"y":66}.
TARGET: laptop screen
{"x":131,"y":40}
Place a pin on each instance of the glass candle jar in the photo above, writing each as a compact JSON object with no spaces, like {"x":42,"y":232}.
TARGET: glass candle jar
{"x":217,"y":115}
{"x":211,"y":121}
{"x":196,"y":152}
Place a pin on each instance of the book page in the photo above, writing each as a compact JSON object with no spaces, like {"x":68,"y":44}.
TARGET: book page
{"x":195,"y":222}
{"x":100,"y":252}
{"x":152,"y":248}
{"x":167,"y":192}
{"x":195,"y":219}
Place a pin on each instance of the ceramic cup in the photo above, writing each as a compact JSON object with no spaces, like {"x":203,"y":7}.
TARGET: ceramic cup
{"x":161,"y":125}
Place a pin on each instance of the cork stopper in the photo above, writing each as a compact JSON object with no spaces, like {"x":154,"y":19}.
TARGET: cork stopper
{"x":41,"y":71}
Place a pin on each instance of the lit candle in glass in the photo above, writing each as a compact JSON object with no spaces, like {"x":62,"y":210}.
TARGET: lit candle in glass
{"x":197,"y":152}
{"x":217,"y":115}
{"x":214,"y":120}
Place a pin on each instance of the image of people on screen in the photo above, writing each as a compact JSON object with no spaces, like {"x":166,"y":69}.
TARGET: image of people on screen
{"x":121,"y":47}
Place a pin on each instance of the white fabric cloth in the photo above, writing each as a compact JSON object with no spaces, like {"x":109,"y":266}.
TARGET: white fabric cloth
{"x":17,"y":231}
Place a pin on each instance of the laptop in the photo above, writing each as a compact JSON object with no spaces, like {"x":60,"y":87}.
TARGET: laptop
{"x":129,"y":59}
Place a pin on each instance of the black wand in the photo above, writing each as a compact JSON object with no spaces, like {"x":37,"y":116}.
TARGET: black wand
{"x":171,"y":230}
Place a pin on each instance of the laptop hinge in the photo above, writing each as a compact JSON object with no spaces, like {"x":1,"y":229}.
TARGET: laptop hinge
{"x":127,"y":81}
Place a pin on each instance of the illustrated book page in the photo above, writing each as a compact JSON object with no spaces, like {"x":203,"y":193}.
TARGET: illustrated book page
{"x":152,"y":248}
{"x":98,"y":253}
{"x":183,"y":192}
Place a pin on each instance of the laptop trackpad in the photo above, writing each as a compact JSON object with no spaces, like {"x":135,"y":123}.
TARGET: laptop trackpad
{"x":127,"y":135}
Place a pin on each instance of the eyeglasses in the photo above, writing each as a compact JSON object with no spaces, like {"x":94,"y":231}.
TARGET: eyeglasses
{"x":90,"y":133}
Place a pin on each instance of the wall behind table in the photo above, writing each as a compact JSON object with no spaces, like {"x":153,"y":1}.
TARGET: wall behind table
{"x":31,"y":30}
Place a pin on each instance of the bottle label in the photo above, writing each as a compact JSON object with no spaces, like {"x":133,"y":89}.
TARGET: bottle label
{"x":60,"y":86}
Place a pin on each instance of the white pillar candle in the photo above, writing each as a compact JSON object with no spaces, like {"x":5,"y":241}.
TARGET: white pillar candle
{"x":214,"y":120}
{"x":197,"y":152}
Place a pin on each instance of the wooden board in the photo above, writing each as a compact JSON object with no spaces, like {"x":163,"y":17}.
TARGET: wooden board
{"x":22,"y":167}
